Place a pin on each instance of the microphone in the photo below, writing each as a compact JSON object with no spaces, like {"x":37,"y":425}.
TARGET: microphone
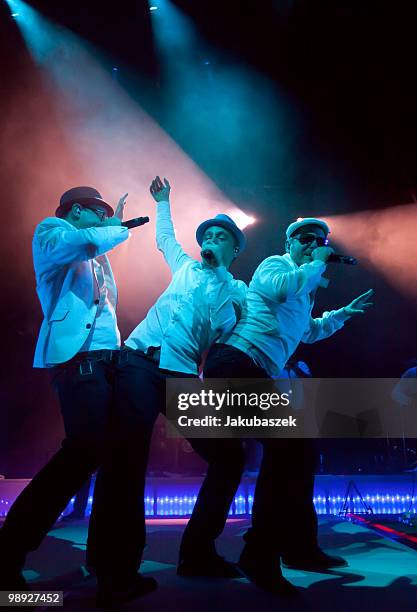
{"x":208,"y":255}
{"x":342,"y":259}
{"x":135,"y":222}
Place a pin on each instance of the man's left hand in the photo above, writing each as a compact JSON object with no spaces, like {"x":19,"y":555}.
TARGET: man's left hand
{"x":360,"y":304}
{"x":160,"y":190}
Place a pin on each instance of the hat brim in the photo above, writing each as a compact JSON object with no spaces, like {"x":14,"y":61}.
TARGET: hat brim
{"x":233,"y":229}
{"x":297,"y":225}
{"x":61,"y":211}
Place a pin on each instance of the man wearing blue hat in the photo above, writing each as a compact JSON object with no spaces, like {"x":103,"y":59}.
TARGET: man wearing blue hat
{"x":198,"y":307}
{"x":277,"y":317}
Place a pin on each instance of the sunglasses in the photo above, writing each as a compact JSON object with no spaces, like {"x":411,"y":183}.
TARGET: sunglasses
{"x":101,"y":214}
{"x":310,"y":238}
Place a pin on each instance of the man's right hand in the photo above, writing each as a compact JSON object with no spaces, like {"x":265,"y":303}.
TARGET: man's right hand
{"x":160,"y":190}
{"x":322,"y":254}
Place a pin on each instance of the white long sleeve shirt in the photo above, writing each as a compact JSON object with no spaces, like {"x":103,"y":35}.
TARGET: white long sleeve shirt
{"x":76,"y":289}
{"x":104,"y":333}
{"x":194,"y":311}
{"x":277,"y":314}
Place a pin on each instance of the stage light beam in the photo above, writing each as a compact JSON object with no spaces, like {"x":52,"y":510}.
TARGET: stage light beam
{"x":383,"y":240}
{"x":241,"y":219}
{"x":86,"y":130}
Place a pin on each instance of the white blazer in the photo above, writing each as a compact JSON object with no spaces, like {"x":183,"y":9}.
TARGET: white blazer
{"x":66,"y":284}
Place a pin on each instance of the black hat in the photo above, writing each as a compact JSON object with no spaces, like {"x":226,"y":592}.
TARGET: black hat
{"x":83,"y":195}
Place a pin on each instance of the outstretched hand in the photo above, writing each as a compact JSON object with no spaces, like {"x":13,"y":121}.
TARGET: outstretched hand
{"x":160,"y":190}
{"x":360,"y":304}
{"x":121,"y":207}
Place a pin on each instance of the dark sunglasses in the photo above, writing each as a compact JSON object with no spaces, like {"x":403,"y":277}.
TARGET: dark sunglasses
{"x":309,"y":238}
{"x":101,"y":214}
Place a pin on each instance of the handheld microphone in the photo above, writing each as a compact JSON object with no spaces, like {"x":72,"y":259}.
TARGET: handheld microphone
{"x":135,"y":222}
{"x":208,"y":255}
{"x":342,"y":259}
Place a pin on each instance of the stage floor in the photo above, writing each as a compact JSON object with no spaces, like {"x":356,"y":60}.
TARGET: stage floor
{"x":382,"y":574}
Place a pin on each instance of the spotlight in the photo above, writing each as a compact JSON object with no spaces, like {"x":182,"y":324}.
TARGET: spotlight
{"x":153,"y":8}
{"x":241,"y":219}
{"x":14,"y":15}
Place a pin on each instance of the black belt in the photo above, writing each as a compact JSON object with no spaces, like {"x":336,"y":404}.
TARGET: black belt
{"x":153,"y":353}
{"x":100,"y":355}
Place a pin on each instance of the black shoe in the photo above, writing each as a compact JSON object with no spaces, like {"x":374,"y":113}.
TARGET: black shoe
{"x":140,"y":587}
{"x":214,"y":566}
{"x":11,"y":567}
{"x":315,"y":561}
{"x":11,"y":578}
{"x":267,"y":576}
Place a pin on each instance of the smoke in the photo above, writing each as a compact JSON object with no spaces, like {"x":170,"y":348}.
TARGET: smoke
{"x":71,"y":124}
{"x":383,"y":240}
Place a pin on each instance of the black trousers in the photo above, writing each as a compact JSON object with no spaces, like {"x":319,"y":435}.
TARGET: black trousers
{"x":81,"y":500}
{"x":117,"y":534}
{"x":85,"y":392}
{"x":284,"y":520}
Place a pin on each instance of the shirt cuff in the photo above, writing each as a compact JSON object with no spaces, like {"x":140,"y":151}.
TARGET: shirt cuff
{"x":340,"y":315}
{"x":316,"y":263}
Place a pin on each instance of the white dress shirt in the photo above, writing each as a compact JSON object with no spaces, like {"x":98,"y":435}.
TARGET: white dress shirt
{"x":74,"y":302}
{"x":104,"y":333}
{"x":194,"y":311}
{"x":277,"y":314}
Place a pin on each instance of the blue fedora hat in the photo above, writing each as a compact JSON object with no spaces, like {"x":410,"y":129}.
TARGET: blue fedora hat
{"x":227,"y":223}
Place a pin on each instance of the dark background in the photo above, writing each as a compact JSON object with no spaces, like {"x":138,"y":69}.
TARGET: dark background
{"x":346,"y":70}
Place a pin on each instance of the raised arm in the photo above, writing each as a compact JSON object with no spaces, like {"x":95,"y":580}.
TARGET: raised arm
{"x":166,"y":241}
{"x":64,"y":245}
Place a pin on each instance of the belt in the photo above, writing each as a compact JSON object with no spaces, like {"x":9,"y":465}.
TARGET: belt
{"x":152,"y":354}
{"x":100,"y":355}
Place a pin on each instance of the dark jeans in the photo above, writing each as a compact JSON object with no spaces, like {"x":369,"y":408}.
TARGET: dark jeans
{"x":85,"y":392}
{"x":284,"y":520}
{"x":140,"y":397}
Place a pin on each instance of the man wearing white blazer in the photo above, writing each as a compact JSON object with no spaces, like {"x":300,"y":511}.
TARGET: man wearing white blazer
{"x":79,"y":344}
